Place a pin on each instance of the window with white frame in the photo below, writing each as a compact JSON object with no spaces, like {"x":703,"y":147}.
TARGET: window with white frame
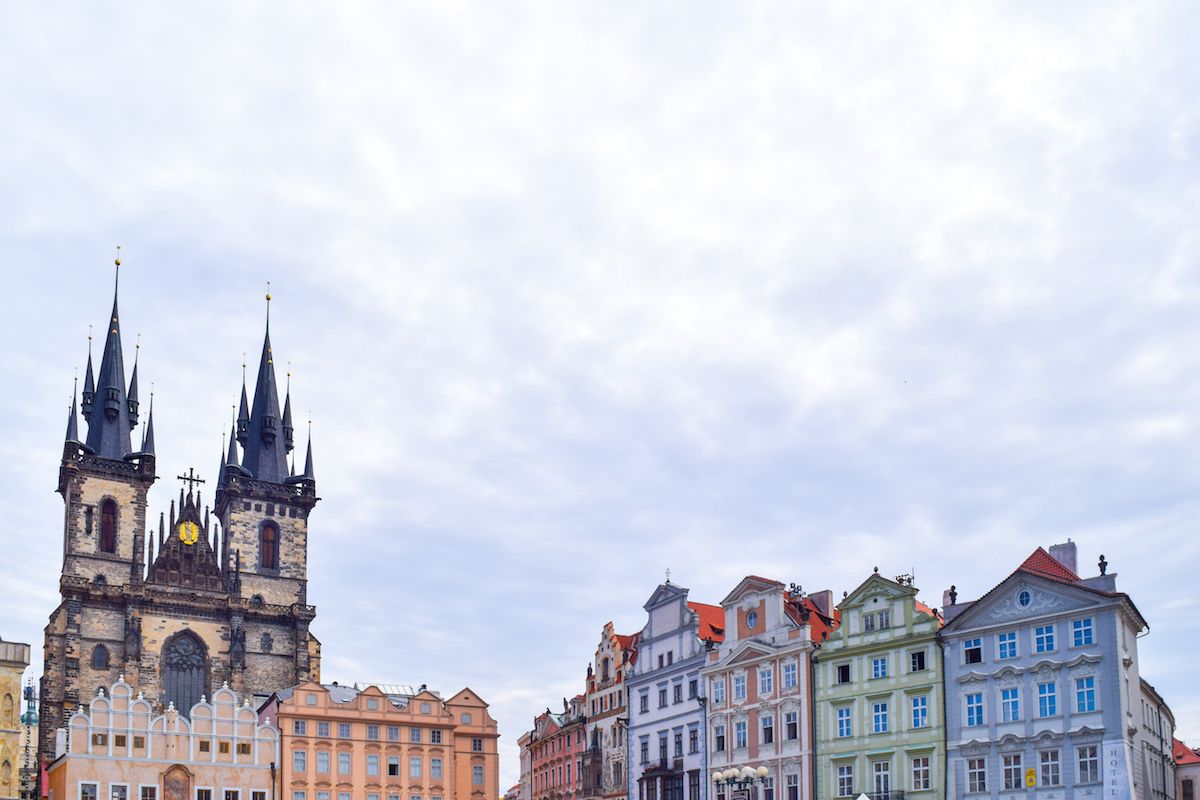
{"x":299,"y":760}
{"x":920,"y":773}
{"x":766,"y":680}
{"x":435,"y":768}
{"x":343,"y":730}
{"x":879,"y":717}
{"x":718,"y":691}
{"x":868,"y":623}
{"x":791,"y":725}
{"x":1047,"y":699}
{"x":477,"y":775}
{"x":414,"y":766}
{"x":393,"y":766}
{"x":739,"y":734}
{"x":920,"y":711}
{"x":789,"y":675}
{"x":843,"y":722}
{"x":206,"y":794}
{"x":1013,"y":775}
{"x":1010,"y":704}
{"x":89,"y":791}
{"x":1089,"y":764}
{"x":1081,"y":632}
{"x":972,"y":651}
{"x":768,"y":729}
{"x":1043,"y":639}
{"x":151,"y":793}
{"x":1006,"y":645}
{"x":322,"y":761}
{"x":1085,"y":694}
{"x":791,"y":783}
{"x":916,"y":661}
{"x":881,"y":774}
{"x":885,"y":620}
{"x":297,"y":794}
{"x":1048,"y":768}
{"x":974,"y":709}
{"x":845,"y":780}
{"x":230,"y":794}
{"x":718,"y":739}
{"x":976,"y":775}
{"x":343,"y":763}
{"x":739,"y":687}
{"x":879,"y":667}
{"x":373,"y":764}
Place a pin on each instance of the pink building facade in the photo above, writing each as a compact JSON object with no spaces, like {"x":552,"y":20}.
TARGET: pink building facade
{"x":556,"y":752}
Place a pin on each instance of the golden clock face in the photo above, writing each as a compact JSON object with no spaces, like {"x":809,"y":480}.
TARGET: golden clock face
{"x":189,"y":532}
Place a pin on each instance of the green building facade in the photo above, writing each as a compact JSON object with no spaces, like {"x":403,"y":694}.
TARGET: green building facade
{"x":879,"y":698}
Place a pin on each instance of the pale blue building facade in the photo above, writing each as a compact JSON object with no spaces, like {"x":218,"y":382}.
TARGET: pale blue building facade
{"x":1042,"y":686}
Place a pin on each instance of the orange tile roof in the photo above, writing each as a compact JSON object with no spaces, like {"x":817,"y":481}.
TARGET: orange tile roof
{"x":712,"y":621}
{"x":931,"y":612}
{"x":1184,"y":754}
{"x":1044,"y":564}
{"x":820,"y":626}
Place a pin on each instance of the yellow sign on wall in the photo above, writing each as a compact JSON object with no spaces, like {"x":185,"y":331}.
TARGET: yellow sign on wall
{"x":1031,"y":777}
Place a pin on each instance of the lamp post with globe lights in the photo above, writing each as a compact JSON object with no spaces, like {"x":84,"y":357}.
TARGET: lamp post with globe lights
{"x":740,"y":780}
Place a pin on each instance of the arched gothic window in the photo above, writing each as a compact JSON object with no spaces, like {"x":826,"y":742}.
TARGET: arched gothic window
{"x":100,"y":657}
{"x":9,"y":718}
{"x":184,"y":671}
{"x":268,"y":546}
{"x":108,"y":526}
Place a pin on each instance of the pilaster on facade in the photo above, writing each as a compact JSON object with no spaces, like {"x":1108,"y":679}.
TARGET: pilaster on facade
{"x":878,"y":679}
{"x":1042,"y":684}
{"x":759,"y":684}
{"x":666,"y":743}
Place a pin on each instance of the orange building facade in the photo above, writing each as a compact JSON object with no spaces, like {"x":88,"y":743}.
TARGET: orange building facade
{"x":119,"y":749}
{"x":342,"y":743}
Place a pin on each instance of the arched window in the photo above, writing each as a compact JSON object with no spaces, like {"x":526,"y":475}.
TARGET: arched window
{"x":100,"y":657}
{"x":108,"y":526}
{"x":8,"y":716}
{"x":268,"y":546}
{"x":184,"y":671}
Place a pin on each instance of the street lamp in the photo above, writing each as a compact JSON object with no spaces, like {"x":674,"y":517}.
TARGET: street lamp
{"x":742,"y":778}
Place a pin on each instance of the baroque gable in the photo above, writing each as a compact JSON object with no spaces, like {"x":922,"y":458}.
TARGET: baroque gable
{"x":1023,"y":597}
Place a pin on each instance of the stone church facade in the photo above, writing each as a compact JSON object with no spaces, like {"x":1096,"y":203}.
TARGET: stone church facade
{"x":213,"y":596}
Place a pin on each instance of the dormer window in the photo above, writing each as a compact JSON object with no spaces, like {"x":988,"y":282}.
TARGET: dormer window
{"x":752,"y":620}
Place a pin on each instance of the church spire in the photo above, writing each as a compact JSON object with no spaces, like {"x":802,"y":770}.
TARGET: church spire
{"x":133,"y":387}
{"x":109,"y":419}
{"x":72,"y":424}
{"x":287,"y":414}
{"x":89,"y":381}
{"x":264,"y":453}
{"x":308,"y":463}
{"x":148,"y":436}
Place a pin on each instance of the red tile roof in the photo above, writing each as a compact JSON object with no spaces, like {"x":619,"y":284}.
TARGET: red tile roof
{"x":820,"y":626}
{"x":1184,"y":754}
{"x":1044,"y":564}
{"x":712,"y":621}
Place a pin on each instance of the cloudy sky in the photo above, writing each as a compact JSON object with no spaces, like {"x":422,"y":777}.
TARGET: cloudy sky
{"x":576,"y":293}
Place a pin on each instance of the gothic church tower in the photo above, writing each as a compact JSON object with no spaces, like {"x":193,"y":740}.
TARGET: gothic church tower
{"x":197,"y":604}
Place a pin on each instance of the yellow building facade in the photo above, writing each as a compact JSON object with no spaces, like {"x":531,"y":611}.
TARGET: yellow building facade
{"x":14,"y":658}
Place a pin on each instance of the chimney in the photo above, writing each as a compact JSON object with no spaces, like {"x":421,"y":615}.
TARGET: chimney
{"x":823,"y":600}
{"x":1065,"y":554}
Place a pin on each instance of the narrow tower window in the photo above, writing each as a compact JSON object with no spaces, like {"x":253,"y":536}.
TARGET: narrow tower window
{"x":100,"y":657}
{"x":108,"y":527}
{"x":268,"y":546}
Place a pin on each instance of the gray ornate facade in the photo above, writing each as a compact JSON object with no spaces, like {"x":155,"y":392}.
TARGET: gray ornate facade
{"x":207,"y":599}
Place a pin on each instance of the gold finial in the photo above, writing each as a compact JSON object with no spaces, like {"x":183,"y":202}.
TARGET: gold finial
{"x":117,"y":261}
{"x":89,"y":338}
{"x":268,"y":291}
